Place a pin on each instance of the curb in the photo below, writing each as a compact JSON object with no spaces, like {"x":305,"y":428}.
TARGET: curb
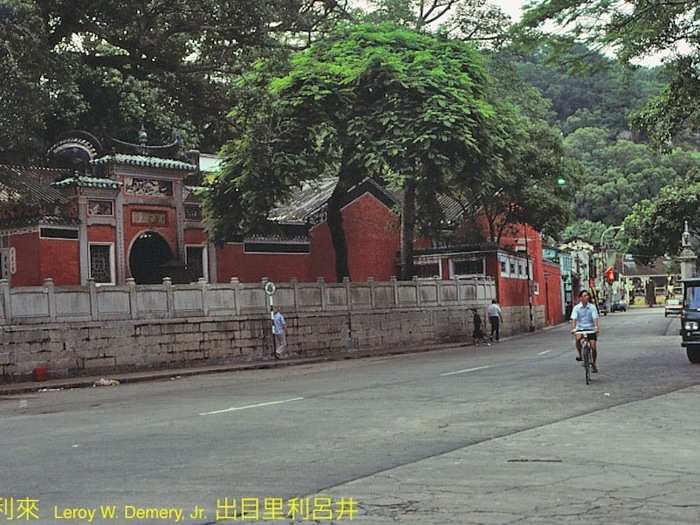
{"x":9,"y":389}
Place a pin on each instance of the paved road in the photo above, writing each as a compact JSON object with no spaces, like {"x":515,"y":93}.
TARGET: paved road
{"x":423,"y":438}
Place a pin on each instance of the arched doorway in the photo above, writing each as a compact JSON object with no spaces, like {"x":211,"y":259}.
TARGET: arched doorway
{"x":148,"y":254}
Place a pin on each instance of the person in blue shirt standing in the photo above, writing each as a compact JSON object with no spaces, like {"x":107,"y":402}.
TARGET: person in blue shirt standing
{"x":584,"y":318}
{"x":279,"y":330}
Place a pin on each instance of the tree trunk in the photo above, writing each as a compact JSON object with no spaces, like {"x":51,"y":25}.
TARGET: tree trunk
{"x":348,"y":176}
{"x":408,"y":229}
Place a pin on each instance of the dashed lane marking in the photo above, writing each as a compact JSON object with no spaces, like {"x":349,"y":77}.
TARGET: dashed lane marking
{"x":246,"y":407}
{"x":464,"y":371}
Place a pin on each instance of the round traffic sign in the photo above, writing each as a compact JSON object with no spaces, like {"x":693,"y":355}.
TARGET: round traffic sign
{"x":270,"y":288}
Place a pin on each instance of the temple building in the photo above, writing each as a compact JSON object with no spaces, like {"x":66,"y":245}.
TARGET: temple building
{"x":105,"y":211}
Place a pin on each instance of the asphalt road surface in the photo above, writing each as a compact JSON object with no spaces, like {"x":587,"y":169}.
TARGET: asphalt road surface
{"x":501,"y":434}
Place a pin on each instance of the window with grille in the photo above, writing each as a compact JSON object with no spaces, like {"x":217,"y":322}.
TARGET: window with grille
{"x":468,"y":267}
{"x":100,"y":263}
{"x":427,"y":270}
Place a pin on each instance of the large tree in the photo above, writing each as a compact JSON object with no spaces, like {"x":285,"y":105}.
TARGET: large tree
{"x":111,"y":66}
{"x":371,"y":100}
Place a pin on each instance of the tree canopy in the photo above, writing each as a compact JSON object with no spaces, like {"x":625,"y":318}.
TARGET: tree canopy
{"x":382,"y":101}
{"x":112,"y":66}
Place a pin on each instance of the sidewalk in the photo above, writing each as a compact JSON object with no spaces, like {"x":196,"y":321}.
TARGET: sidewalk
{"x":633,"y":463}
{"x":165,"y":374}
{"x":87,"y":381}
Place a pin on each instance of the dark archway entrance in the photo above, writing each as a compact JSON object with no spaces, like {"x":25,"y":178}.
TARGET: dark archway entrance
{"x":149,"y":253}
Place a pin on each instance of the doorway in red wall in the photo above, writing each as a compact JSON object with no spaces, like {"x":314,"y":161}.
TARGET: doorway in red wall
{"x":149,"y":253}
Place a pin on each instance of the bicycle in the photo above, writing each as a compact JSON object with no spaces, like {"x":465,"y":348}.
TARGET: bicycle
{"x":586,"y":353}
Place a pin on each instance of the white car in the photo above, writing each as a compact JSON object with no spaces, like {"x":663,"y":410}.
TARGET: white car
{"x":673,"y":307}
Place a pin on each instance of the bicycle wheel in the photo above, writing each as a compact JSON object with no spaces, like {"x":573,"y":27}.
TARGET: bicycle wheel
{"x":587,"y":360}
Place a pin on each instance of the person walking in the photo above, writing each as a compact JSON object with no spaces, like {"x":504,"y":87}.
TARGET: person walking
{"x":478,"y":333}
{"x":495,"y":317}
{"x":279,"y":331}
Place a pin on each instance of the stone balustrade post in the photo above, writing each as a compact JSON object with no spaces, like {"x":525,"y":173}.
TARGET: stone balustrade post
{"x":133,"y":301}
{"x":236,"y":286}
{"x":204,"y":286}
{"x":92,"y":290}
{"x":321,"y":282}
{"x":416,"y":286}
{"x":169,"y":295}
{"x":51,"y":297}
{"x":395,"y":286}
{"x":6,"y":301}
{"x":295,"y":293}
{"x":348,"y":292}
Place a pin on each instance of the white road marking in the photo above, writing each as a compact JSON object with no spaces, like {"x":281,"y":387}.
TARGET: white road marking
{"x":257,"y":405}
{"x":544,"y":353}
{"x":464,"y":371}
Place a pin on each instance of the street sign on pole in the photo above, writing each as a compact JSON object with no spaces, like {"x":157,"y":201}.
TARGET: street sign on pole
{"x":270,"y":288}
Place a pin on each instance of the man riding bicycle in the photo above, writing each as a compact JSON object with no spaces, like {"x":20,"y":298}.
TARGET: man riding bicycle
{"x":584,"y":318}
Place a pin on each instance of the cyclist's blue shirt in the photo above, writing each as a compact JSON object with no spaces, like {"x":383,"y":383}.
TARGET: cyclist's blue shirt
{"x":584,"y":316}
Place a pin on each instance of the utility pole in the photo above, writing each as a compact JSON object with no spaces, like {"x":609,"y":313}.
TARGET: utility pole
{"x":529,"y":287}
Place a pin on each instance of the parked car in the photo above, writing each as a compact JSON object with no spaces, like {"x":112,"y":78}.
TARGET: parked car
{"x":618,"y":306}
{"x":690,"y":319}
{"x":673,"y":306}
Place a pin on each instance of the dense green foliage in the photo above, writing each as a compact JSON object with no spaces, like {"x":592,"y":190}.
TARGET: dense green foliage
{"x":109,"y":67}
{"x":667,"y":187}
{"x":606,"y":98}
{"x":406,"y":108}
{"x":619,"y":173}
{"x":653,"y":226}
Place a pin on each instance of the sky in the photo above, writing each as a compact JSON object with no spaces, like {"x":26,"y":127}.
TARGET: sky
{"x":511,"y":7}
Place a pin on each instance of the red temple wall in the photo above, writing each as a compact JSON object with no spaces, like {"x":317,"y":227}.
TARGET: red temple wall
{"x":60,"y":260}
{"x":232,"y":261}
{"x":26,"y":247}
{"x":373,"y":236}
{"x":195,"y":236}
{"x":101,"y":233}
{"x":552,"y":292}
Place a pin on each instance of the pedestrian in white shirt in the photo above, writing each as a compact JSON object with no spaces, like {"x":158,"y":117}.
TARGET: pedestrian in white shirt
{"x":495,"y":317}
{"x":279,"y":330}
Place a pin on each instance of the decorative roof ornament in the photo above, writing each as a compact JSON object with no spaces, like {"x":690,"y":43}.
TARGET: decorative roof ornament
{"x":74,"y":150}
{"x":172,"y":151}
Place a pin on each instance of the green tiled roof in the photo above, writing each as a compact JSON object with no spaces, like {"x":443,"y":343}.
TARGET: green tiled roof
{"x":86,"y":182}
{"x":144,"y":161}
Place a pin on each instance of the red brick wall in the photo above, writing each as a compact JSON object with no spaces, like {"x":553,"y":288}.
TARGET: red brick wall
{"x":101,"y":233}
{"x":512,"y":237}
{"x":60,"y":260}
{"x":26,"y":247}
{"x":322,"y":258}
{"x":372,"y":236}
{"x":372,"y":232}
{"x":552,"y":292}
{"x":195,"y":236}
{"x":512,"y":292}
{"x":231,"y":261}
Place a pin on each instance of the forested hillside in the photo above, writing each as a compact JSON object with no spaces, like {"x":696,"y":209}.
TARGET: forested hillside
{"x":618,"y":165}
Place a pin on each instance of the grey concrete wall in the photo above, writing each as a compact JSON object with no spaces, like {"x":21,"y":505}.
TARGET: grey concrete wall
{"x":74,"y":331}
